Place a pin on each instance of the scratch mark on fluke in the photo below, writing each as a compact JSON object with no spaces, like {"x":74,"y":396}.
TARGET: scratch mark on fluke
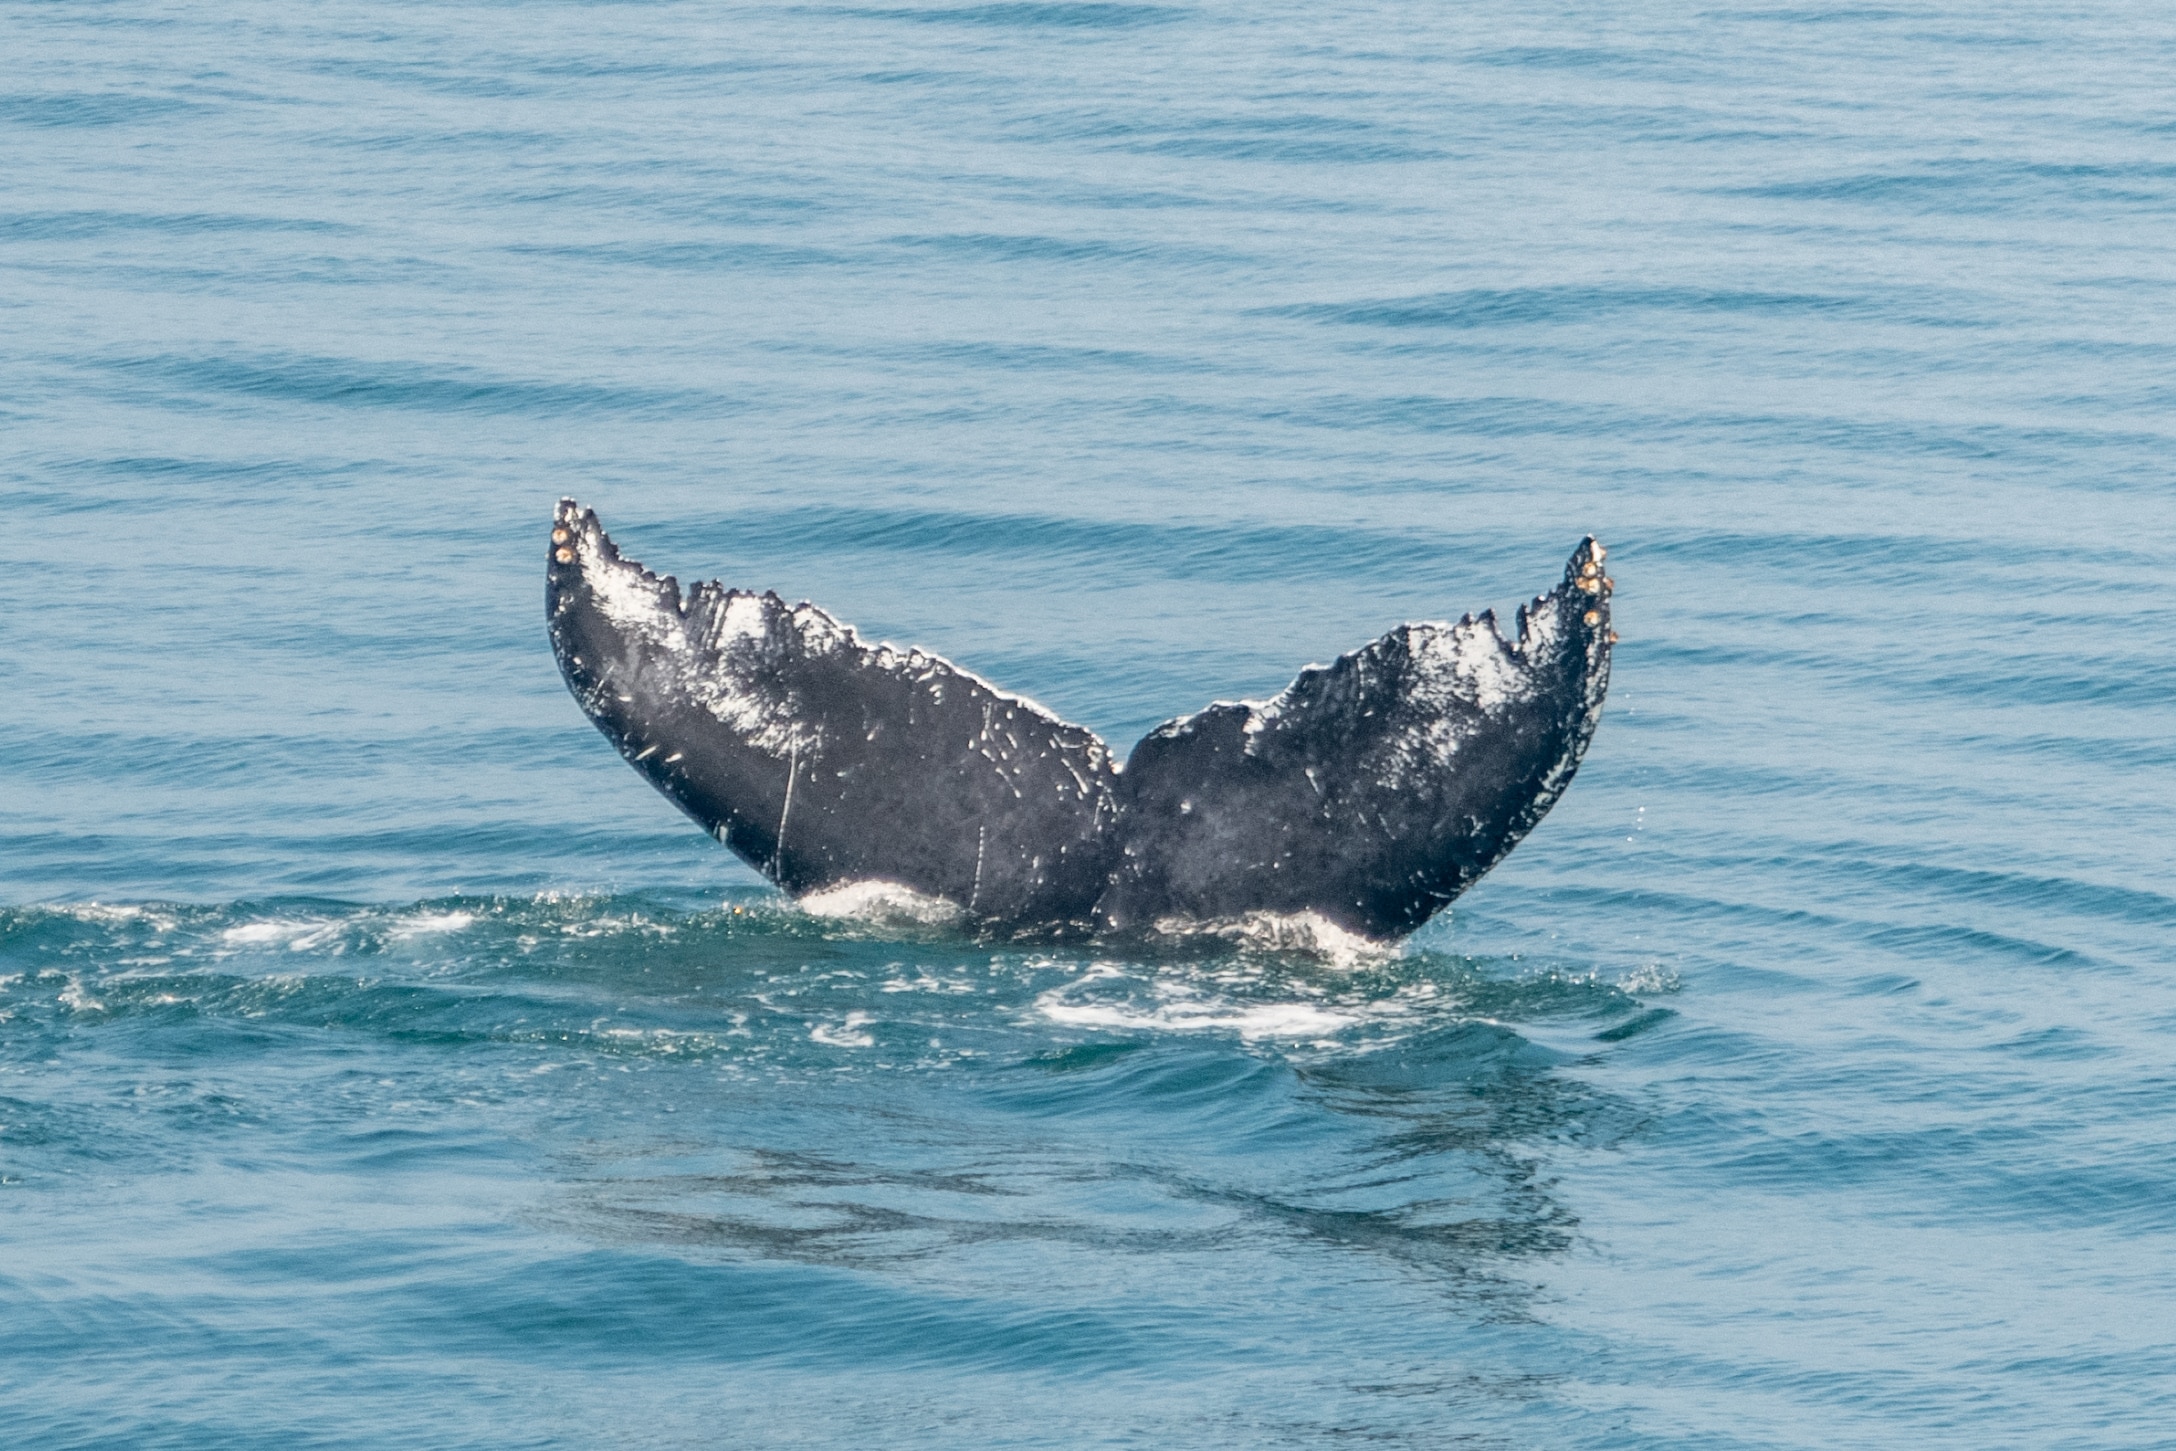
{"x":1368,"y":794}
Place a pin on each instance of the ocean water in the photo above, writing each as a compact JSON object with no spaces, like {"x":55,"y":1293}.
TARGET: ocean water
{"x":382,"y":1064}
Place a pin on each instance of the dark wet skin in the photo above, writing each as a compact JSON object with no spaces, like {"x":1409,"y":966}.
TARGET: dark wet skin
{"x":1370,"y":793}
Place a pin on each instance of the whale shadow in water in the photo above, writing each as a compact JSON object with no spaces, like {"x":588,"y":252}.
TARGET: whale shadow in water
{"x":864,"y":777}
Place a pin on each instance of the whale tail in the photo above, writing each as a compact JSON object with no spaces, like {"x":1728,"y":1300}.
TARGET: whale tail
{"x":1369,"y":793}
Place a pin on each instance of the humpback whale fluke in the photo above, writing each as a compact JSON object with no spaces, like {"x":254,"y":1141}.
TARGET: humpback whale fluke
{"x":1369,"y":793}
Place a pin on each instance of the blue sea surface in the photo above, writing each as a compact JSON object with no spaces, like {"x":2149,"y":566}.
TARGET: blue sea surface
{"x":384,"y":1064}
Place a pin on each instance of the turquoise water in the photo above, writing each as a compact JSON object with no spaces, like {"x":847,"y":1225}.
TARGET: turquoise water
{"x":382,"y":1064}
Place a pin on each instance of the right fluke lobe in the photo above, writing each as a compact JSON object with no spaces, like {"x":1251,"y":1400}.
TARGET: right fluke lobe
{"x":1372,"y":790}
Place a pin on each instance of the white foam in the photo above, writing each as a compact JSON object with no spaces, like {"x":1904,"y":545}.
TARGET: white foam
{"x":161,"y":921}
{"x":848,"y":1034}
{"x":923,"y":982}
{"x":1193,"y":1015}
{"x":426,"y":923}
{"x":258,"y":934}
{"x":1308,"y":932}
{"x":296,"y":936}
{"x":664,"y":1041}
{"x":879,"y":901}
{"x":1653,"y":978}
{"x":75,"y":999}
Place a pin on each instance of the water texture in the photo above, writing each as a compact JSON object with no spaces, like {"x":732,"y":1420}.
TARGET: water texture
{"x":382,"y":1064}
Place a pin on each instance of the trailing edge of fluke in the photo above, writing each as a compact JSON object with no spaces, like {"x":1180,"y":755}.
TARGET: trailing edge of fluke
{"x":1367,"y":795}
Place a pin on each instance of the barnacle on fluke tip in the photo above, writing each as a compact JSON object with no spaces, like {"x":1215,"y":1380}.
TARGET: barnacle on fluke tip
{"x":1368,"y":794}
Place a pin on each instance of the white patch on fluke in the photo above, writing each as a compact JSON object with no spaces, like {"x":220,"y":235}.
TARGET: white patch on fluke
{"x":630,"y":596}
{"x":742,"y":619}
{"x":724,"y":669}
{"x":1479,"y":660}
{"x":1469,"y":663}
